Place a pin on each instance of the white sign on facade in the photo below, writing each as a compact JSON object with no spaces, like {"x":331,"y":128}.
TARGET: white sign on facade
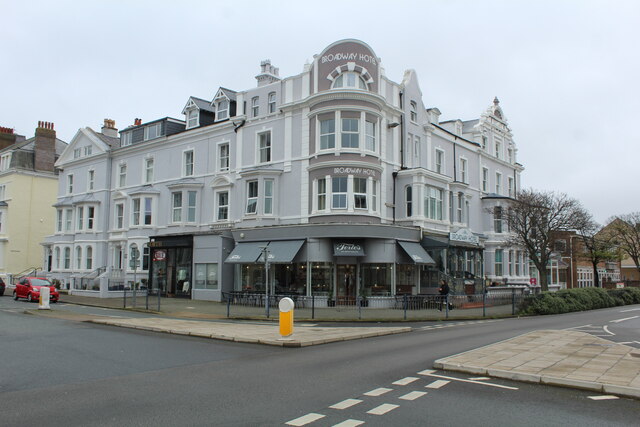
{"x":464,"y":235}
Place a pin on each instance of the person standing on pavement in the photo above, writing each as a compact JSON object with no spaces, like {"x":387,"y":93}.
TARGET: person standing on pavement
{"x":444,"y":291}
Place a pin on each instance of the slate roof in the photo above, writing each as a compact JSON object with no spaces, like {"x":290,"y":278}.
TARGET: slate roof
{"x":203,"y":105}
{"x":110,"y":141}
{"x":231,"y":94}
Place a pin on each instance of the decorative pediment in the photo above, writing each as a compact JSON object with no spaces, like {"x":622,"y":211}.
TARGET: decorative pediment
{"x":221,"y":181}
{"x":85,"y":143}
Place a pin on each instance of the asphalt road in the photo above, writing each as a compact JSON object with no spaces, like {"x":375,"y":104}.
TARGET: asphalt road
{"x":65,"y":373}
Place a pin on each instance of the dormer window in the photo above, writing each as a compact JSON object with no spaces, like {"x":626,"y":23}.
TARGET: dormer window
{"x":350,"y":79}
{"x":222,"y":110}
{"x":125,"y":139}
{"x":193,"y":118}
{"x":152,"y":131}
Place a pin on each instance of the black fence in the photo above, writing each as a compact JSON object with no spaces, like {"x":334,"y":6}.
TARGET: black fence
{"x":399,"y":307}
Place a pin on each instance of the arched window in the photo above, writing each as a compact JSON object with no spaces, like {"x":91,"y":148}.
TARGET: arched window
{"x":67,"y":258}
{"x":78,"y":257}
{"x":89,"y":262}
{"x":350,"y":79}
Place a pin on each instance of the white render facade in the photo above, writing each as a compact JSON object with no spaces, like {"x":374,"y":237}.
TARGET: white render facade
{"x":348,"y":181}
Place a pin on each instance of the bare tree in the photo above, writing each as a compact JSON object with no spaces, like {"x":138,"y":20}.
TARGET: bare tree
{"x":626,"y":232}
{"x":598,"y":245}
{"x":533,"y":218}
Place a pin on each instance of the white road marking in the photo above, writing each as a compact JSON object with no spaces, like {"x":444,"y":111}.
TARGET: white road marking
{"x":405,"y":381}
{"x":383,"y":409}
{"x":378,"y":392}
{"x":345,"y":404}
{"x":603,"y":397}
{"x":622,"y":320}
{"x":470,"y":381}
{"x":577,"y":327}
{"x":631,"y":309}
{"x":426,"y":372}
{"x":349,"y":423}
{"x":413,"y":395}
{"x":438,"y":384}
{"x":608,"y":331}
{"x":304,"y":420}
{"x":479,"y":378}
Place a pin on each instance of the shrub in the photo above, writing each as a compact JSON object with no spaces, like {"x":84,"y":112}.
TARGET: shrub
{"x":569,"y":300}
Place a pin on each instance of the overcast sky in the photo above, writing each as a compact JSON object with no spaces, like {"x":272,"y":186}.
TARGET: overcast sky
{"x":566,"y":72}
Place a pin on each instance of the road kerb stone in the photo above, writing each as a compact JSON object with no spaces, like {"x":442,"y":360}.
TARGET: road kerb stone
{"x":619,"y":390}
{"x":515,"y":376}
{"x":447,"y":366}
{"x":567,"y":382}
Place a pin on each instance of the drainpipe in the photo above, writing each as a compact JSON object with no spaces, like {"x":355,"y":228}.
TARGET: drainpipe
{"x":402,"y":165}
{"x":395,"y":176}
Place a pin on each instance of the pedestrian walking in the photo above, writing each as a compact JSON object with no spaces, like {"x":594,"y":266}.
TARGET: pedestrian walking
{"x":444,"y":291}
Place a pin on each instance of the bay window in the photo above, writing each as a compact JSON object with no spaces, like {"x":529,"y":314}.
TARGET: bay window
{"x":327,"y":134}
{"x":339,"y":192}
{"x":360,"y":193}
{"x":350,"y":135}
{"x":252,"y":197}
{"x":322,"y":194}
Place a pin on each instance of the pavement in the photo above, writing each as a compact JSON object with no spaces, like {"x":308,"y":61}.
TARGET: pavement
{"x":556,"y":357}
{"x":553,"y":357}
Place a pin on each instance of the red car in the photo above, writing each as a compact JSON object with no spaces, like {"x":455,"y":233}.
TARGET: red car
{"x":29,"y":288}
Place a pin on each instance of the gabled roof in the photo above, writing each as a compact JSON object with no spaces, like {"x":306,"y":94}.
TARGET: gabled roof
{"x":228,"y":93}
{"x":110,"y":141}
{"x":200,"y":103}
{"x":101,"y":142}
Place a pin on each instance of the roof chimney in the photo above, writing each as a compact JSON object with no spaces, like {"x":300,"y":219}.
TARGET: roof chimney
{"x":137,"y":122}
{"x":109,"y":128}
{"x":268,"y":73}
{"x":44,"y":147}
{"x":7,"y":137}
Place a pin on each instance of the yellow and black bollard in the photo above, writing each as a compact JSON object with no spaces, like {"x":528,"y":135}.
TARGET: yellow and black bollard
{"x":286,"y":317}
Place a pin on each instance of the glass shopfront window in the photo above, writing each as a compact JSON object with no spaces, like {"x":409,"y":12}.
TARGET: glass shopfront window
{"x":289,"y":278}
{"x":206,"y":276}
{"x":252,"y":278}
{"x":322,"y":278}
{"x":406,"y":279}
{"x":376,"y":279}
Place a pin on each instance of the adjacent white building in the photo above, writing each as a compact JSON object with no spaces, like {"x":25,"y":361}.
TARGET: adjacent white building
{"x":340,"y":175}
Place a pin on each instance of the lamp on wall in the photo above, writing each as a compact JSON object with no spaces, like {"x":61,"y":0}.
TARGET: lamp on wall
{"x":393,"y":125}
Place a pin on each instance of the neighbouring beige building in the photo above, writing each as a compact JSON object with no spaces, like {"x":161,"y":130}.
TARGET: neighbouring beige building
{"x":28,"y":189}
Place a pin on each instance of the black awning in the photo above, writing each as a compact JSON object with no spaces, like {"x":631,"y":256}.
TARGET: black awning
{"x":246,"y":253}
{"x":283,"y":251}
{"x":416,"y":253}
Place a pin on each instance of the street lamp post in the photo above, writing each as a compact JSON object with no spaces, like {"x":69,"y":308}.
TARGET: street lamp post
{"x":265,"y":255}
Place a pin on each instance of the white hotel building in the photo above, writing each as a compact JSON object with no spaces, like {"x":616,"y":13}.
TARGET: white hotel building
{"x":352,"y":185}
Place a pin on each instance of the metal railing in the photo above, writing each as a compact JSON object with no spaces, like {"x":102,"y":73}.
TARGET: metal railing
{"x":399,"y":307}
{"x":88,"y":281}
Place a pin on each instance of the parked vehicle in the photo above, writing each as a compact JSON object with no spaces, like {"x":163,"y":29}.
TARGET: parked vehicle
{"x":2,"y":287}
{"x":29,"y":288}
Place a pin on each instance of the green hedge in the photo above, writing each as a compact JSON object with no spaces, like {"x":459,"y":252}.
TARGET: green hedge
{"x":582,"y":299}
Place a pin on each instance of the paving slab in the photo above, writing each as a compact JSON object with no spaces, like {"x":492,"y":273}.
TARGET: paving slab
{"x":251,"y":332}
{"x":561,"y":358}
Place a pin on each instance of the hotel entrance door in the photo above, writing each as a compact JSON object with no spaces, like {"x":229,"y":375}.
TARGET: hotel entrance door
{"x":347,"y":284}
